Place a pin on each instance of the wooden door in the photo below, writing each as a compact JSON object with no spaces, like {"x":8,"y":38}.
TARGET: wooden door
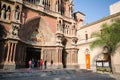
{"x":87,"y":61}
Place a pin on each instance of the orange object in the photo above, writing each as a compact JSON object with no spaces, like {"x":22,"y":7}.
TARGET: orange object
{"x":87,"y":61}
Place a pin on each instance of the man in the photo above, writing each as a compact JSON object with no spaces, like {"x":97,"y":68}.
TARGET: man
{"x":41,"y":64}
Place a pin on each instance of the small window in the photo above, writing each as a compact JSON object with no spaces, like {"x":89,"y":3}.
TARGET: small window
{"x":86,"y":36}
{"x":102,"y":31}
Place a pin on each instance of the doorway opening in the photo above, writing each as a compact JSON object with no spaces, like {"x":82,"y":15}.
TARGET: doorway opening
{"x":32,"y":53}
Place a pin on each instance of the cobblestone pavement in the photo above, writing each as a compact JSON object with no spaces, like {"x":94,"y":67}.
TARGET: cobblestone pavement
{"x":59,"y":74}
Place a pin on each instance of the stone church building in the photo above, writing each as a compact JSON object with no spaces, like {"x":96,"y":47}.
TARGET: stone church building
{"x":38,"y":29}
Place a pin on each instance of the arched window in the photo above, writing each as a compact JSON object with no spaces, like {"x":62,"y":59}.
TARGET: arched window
{"x":86,"y":35}
{"x":46,"y":4}
{"x":8,"y":12}
{"x":3,"y":12}
{"x":17,"y":13}
{"x":43,"y":2}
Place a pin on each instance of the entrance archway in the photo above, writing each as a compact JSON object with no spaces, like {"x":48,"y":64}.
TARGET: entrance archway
{"x":32,"y":53}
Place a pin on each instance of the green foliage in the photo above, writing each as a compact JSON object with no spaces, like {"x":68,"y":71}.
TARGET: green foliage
{"x":104,"y":69}
{"x":110,"y":36}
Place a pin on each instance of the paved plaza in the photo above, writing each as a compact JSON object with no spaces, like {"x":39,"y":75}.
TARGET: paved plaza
{"x":58,"y":74}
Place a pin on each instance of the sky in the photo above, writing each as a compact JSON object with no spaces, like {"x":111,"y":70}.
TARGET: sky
{"x":93,"y":9}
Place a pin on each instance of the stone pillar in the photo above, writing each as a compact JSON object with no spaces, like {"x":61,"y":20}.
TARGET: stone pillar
{"x":41,"y":2}
{"x":56,"y":6}
{"x":2,"y":13}
{"x":14,"y":53}
{"x":53,"y":5}
{"x":10,"y":59}
{"x":70,"y":56}
{"x":59,"y":56}
{"x":42,"y":54}
{"x":8,"y":15}
{"x":11,"y":52}
{"x":8,"y":52}
{"x":75,"y":57}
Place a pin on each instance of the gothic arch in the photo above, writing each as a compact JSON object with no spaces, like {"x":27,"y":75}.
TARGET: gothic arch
{"x":3,"y":11}
{"x":4,"y":6}
{"x":38,"y":30}
{"x":9,"y":8}
{"x":8,"y":12}
{"x":17,"y":13}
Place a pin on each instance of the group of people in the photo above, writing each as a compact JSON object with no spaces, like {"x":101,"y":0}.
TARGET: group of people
{"x":40,"y":63}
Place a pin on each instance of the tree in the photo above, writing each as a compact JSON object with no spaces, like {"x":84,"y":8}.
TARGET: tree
{"x":108,"y":37}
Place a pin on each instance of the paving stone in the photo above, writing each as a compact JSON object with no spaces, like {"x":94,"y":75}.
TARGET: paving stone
{"x":61,"y":74}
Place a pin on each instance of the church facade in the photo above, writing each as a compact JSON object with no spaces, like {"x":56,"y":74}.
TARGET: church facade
{"x":38,"y":29}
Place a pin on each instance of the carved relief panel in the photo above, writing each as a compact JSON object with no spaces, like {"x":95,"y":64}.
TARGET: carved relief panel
{"x":14,"y":30}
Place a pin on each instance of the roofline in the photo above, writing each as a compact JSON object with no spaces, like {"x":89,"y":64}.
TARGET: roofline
{"x":100,"y":20}
{"x":80,"y":13}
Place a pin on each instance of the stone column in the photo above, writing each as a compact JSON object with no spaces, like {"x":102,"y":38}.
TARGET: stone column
{"x":75,"y":57}
{"x":56,"y":58}
{"x":69,"y":57}
{"x":41,"y":2}
{"x":19,"y":16}
{"x":8,"y":52}
{"x":60,"y":56}
{"x":2,"y":13}
{"x":14,"y":53}
{"x":53,"y":5}
{"x":42,"y":54}
{"x":56,"y":6}
{"x":8,"y":15}
{"x":11,"y":52}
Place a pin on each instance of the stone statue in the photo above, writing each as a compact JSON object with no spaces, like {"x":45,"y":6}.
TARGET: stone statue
{"x":8,"y":15}
{"x":3,"y":13}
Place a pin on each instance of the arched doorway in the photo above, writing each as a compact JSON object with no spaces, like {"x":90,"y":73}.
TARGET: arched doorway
{"x":33,"y":53}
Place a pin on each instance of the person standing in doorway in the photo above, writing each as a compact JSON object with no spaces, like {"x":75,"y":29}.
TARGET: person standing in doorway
{"x":30,"y":63}
{"x":33,"y":63}
{"x":51,"y":63}
{"x":41,"y":64}
{"x":45,"y":64}
{"x":38,"y":63}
